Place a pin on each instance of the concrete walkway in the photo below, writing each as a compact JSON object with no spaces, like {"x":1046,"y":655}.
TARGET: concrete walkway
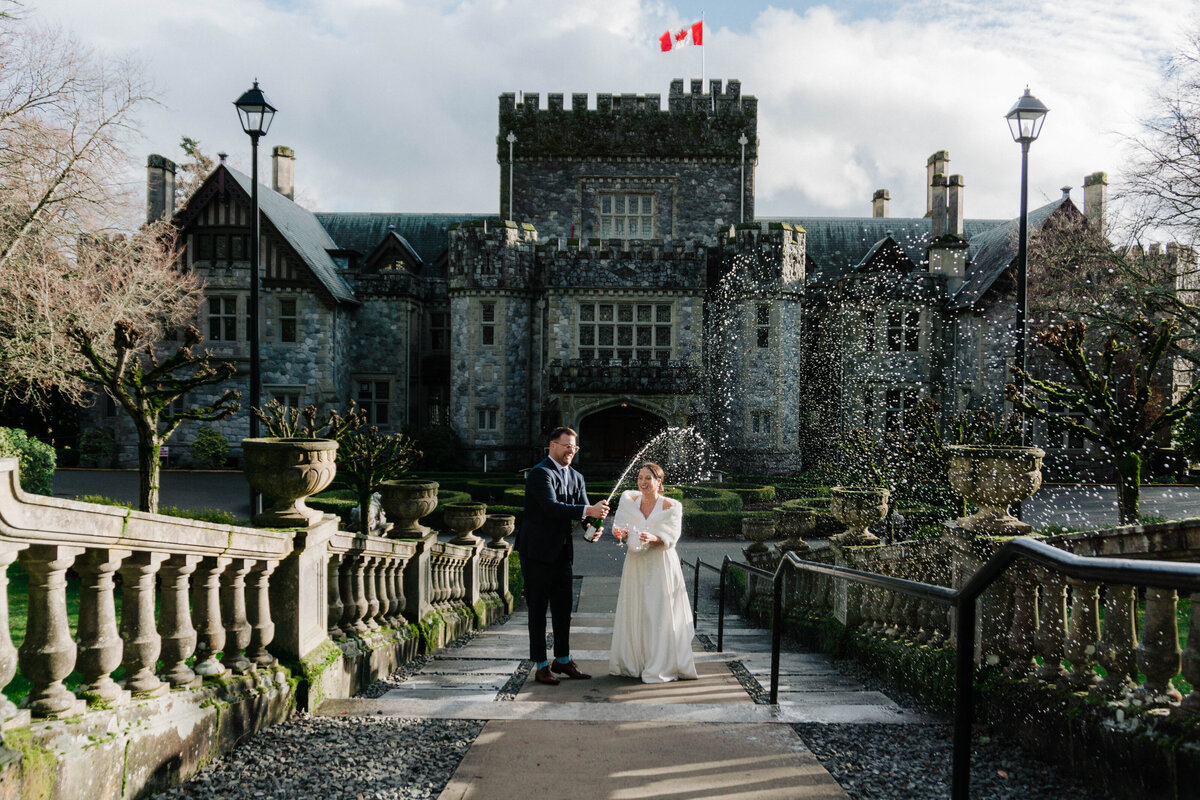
{"x":612,"y":737}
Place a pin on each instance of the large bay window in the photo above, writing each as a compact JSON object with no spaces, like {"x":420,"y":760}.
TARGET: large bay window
{"x":626,"y":331}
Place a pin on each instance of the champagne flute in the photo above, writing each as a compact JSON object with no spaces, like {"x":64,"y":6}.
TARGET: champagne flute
{"x":620,"y":534}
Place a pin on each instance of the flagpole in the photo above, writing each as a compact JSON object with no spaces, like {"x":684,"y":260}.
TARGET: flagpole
{"x":703,"y":71}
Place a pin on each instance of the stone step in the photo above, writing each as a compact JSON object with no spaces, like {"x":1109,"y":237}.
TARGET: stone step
{"x":846,"y":710}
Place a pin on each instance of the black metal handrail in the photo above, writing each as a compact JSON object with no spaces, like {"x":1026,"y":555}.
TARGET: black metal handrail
{"x":696,"y":585}
{"x":1160,"y":574}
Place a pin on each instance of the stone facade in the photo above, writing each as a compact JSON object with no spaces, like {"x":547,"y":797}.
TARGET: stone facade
{"x":629,"y":295}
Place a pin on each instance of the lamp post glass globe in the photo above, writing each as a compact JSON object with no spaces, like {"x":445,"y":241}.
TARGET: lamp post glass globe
{"x":255,"y":111}
{"x":1025,"y":118}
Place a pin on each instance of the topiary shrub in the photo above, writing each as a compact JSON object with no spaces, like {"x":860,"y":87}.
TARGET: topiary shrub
{"x":713,"y":525}
{"x":35,"y":460}
{"x":210,"y":447}
{"x":96,"y":448}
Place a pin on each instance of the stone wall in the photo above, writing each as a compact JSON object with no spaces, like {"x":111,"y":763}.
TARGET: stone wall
{"x":687,"y":157}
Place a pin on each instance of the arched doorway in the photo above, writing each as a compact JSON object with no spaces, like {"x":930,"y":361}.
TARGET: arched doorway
{"x":612,"y":436}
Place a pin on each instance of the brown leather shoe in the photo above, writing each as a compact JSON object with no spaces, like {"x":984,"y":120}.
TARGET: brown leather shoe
{"x":570,"y":669}
{"x":543,"y":676}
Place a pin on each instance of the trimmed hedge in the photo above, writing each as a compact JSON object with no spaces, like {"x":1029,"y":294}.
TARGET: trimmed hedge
{"x":35,"y":460}
{"x":710,"y":499}
{"x":749,"y":492}
{"x":712,"y":525}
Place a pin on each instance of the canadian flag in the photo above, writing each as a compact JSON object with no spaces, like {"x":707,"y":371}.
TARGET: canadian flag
{"x":693,"y":34}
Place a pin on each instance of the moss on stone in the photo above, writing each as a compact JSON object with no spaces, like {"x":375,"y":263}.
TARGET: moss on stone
{"x":38,"y":764}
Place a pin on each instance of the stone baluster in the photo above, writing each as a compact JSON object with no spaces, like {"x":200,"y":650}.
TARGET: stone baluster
{"x":334,"y":591}
{"x":1083,"y":633}
{"x":233,"y":615}
{"x":358,"y":591}
{"x":100,"y":643}
{"x":8,"y":653}
{"x":436,"y":594}
{"x":459,"y":576}
{"x":369,"y":573}
{"x":1022,"y":632}
{"x":940,"y":620}
{"x":346,"y":588}
{"x":924,"y":621}
{"x":1051,"y":632}
{"x":1158,"y":654}
{"x":383,"y":591}
{"x":912,"y":618}
{"x":1191,"y":658}
{"x":48,"y":653}
{"x":175,"y":619}
{"x":401,"y":565}
{"x":1116,"y":649}
{"x":893,"y":603}
{"x":142,"y":643}
{"x":206,"y":612}
{"x":258,"y":613}
{"x":395,"y":577}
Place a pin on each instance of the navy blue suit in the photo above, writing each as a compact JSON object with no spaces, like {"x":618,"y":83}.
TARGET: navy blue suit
{"x":554,"y":507}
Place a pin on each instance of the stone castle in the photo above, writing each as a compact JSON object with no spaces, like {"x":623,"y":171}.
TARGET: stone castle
{"x":626,"y":286}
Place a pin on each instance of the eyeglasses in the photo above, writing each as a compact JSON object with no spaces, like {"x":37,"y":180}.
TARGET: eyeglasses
{"x":572,"y":448}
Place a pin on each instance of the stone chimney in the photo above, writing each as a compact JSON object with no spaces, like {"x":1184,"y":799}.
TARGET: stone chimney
{"x":1095,"y":200}
{"x":283,"y":171}
{"x":937,"y":164}
{"x":954,"y":206}
{"x":879,"y":203}
{"x":937,"y":208}
{"x":160,"y":188}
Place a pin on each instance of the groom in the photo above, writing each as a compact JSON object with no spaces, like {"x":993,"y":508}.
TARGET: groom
{"x":555,"y":506}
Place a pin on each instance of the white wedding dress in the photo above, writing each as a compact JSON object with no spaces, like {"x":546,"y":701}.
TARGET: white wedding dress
{"x":652,"y":630}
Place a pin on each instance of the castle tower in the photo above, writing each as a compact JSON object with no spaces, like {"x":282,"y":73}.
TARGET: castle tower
{"x":494,"y":342}
{"x":627,"y":168}
{"x":754,"y":347}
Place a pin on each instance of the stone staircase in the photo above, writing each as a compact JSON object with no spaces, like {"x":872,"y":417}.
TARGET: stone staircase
{"x":623,"y":735}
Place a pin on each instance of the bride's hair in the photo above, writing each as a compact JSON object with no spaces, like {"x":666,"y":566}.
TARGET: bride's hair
{"x":655,"y":470}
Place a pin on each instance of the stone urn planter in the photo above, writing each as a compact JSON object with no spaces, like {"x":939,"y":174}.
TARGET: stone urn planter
{"x":758,"y":530}
{"x":993,"y":478}
{"x":858,"y":508}
{"x":286,"y":471}
{"x":464,"y":519}
{"x":794,"y":524}
{"x":405,"y":502}
{"x":497,"y":526}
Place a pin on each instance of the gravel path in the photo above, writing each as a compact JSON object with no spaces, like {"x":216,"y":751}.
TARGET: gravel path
{"x":343,"y":757}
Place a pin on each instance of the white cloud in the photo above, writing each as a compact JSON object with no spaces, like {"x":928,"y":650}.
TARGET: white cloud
{"x":392,"y":105}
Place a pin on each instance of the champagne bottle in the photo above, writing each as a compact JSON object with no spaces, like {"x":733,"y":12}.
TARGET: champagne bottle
{"x":591,"y":528}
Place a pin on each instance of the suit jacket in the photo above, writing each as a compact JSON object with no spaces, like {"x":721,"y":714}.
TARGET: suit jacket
{"x":553,"y":511}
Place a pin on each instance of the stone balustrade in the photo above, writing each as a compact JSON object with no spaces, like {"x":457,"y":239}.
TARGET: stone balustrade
{"x":211,"y":623}
{"x":1035,"y":624}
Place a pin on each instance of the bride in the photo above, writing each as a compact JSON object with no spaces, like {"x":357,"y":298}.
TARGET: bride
{"x":652,"y":630}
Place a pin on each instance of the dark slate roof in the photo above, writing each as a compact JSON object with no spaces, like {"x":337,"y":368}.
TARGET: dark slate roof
{"x":838,"y":244}
{"x":361,"y":232}
{"x":993,"y":250}
{"x":303,"y":232}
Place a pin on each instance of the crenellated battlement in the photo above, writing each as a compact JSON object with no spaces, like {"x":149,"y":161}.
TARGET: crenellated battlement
{"x":693,"y":125}
{"x":764,"y":254}
{"x":493,"y":254}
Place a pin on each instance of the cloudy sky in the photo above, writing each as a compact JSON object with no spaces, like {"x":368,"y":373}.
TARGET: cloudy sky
{"x":391,"y":105}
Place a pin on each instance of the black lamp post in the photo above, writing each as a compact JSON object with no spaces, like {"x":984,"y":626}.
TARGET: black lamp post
{"x":256,"y":115}
{"x":1025,"y":120}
